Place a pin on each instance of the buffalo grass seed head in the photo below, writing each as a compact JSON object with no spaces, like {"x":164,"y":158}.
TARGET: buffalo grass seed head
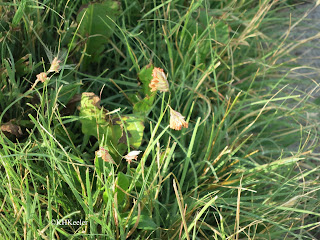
{"x":177,"y":120}
{"x":42,"y":77}
{"x":104,"y":154}
{"x":159,"y":81}
{"x":55,"y":65}
{"x":133,"y":155}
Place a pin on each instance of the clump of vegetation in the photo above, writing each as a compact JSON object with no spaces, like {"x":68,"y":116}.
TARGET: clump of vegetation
{"x":153,"y":120}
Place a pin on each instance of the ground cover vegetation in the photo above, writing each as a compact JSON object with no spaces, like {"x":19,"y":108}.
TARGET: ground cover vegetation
{"x":155,"y":120}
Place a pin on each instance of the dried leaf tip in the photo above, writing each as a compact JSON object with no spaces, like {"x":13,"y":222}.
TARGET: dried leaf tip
{"x":159,"y":81}
{"x":177,"y":120}
{"x":133,"y":155}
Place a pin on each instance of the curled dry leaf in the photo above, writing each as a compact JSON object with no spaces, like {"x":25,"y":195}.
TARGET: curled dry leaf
{"x":11,"y":128}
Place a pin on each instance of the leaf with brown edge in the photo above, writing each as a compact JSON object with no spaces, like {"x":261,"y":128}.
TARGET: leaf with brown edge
{"x":116,"y":130}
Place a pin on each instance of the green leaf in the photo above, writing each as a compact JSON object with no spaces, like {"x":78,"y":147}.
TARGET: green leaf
{"x":134,"y":98}
{"x":134,"y":128}
{"x":19,"y":14}
{"x":145,"y":76}
{"x":93,"y":117}
{"x":106,"y":196}
{"x":97,"y":122}
{"x":123,"y":183}
{"x":98,"y":25}
{"x":144,"y":106}
{"x":10,"y":71}
{"x":145,"y":222}
{"x":23,"y":65}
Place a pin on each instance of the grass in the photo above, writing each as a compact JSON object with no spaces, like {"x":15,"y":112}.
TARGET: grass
{"x":245,"y":168}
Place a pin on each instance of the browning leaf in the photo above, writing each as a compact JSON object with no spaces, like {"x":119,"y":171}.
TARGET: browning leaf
{"x":10,"y":128}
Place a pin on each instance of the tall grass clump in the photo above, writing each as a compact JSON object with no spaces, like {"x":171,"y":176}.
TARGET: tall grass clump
{"x":154,"y":120}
